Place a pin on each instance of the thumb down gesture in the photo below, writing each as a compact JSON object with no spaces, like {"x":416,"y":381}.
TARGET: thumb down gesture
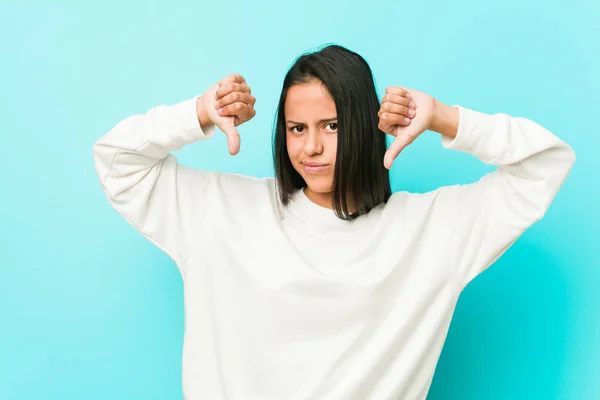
{"x":228,"y":104}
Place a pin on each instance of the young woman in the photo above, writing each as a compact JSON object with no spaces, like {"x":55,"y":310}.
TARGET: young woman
{"x":320,"y":283}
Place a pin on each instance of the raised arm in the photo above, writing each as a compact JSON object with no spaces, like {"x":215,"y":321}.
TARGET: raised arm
{"x":482,"y":219}
{"x":142,"y":178}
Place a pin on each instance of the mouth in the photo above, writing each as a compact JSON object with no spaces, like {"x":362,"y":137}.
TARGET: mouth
{"x":312,"y":168}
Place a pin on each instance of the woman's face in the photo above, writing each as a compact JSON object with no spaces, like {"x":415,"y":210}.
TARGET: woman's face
{"x":311,"y":136}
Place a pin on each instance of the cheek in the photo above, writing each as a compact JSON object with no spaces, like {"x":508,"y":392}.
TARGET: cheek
{"x":293,"y":148}
{"x":331,"y":147}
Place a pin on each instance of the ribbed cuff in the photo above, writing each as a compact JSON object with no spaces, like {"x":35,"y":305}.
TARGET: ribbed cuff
{"x":190,"y":127}
{"x":473,"y":134}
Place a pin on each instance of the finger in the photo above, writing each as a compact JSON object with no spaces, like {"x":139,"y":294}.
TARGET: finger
{"x":230,"y":88}
{"x":397,"y":99}
{"x":393,"y":108}
{"x":238,"y":108}
{"x":395,"y":148}
{"x":235,"y":97}
{"x":394,"y":119}
{"x":384,"y":127}
{"x":233,"y":137}
{"x":399,"y":90}
{"x":233,"y":78}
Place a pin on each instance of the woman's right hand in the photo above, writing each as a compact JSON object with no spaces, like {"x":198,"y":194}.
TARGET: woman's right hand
{"x":227,"y":105}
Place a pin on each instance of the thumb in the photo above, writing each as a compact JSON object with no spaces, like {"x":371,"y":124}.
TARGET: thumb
{"x":233,"y":137}
{"x":402,"y":140}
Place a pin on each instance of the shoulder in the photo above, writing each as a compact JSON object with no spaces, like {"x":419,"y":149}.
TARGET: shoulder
{"x":405,"y":199}
{"x":448,"y":203}
{"x":224,"y":181}
{"x":243,"y":192}
{"x":207,"y":187}
{"x":234,"y":183}
{"x":432,"y":204}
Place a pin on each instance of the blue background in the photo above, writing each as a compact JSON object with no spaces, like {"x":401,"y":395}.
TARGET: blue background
{"x":91,"y":310}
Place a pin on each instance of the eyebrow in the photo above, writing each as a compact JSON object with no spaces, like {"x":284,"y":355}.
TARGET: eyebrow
{"x":322,"y":121}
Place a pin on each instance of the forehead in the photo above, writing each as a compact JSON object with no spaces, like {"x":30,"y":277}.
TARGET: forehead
{"x":309,"y":101}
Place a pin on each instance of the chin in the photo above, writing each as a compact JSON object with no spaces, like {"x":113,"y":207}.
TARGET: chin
{"x":321,"y":186}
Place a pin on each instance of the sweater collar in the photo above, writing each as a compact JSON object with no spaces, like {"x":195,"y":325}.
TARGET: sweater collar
{"x":305,"y":210}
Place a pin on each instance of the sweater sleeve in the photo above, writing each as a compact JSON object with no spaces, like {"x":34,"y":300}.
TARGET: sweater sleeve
{"x":144,"y":182}
{"x":486,"y":217}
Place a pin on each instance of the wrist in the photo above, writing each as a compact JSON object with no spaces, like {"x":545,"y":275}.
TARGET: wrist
{"x":445,"y":119}
{"x":203,"y":118}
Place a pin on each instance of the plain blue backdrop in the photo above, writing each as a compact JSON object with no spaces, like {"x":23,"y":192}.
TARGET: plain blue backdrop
{"x":89,"y":309}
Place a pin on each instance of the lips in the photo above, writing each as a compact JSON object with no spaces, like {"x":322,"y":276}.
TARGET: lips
{"x":311,"y":168}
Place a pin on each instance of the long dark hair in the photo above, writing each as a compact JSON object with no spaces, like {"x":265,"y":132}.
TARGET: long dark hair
{"x":360,"y":181}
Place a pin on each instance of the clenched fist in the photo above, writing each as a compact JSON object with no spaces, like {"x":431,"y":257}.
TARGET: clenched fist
{"x":227,"y":104}
{"x":404,"y":113}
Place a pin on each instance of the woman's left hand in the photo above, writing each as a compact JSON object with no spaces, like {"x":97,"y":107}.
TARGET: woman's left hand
{"x":404,"y":113}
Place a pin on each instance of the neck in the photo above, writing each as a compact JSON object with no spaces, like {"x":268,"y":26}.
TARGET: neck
{"x":321,"y":199}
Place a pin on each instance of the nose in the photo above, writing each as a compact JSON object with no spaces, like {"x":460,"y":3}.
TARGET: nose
{"x":313,"y":143}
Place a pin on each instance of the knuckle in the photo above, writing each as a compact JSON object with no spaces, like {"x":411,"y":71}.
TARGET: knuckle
{"x":227,"y":79}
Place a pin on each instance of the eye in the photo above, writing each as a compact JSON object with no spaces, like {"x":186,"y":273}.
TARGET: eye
{"x":333,"y":126}
{"x":295,"y":129}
